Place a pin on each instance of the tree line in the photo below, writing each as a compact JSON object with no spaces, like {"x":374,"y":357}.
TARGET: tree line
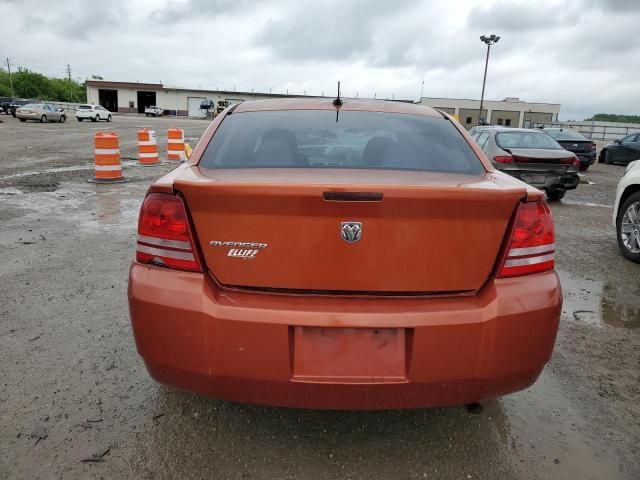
{"x":615,"y":117}
{"x":28,"y":84}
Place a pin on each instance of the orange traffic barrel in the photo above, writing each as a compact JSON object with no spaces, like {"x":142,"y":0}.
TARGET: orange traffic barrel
{"x":175,"y":145}
{"x":107,"y":168}
{"x":147,"y":148}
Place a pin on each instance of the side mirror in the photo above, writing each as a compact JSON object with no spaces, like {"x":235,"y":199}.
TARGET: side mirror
{"x":617,"y":140}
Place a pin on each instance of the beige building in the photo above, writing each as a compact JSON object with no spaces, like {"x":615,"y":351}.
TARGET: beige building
{"x":133,"y":97}
{"x":510,"y":112}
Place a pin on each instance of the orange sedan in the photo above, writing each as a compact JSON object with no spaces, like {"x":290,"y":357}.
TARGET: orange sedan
{"x":355,"y":255}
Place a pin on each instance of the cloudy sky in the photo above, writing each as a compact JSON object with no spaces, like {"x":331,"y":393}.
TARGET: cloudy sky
{"x":584,"y":54}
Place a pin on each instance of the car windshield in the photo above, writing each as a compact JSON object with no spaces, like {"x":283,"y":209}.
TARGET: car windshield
{"x":565,"y":135}
{"x":35,"y":106}
{"x":526,"y":139}
{"x":322,"y":139}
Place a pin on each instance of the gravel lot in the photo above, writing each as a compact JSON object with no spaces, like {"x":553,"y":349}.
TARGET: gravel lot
{"x":76,"y":401}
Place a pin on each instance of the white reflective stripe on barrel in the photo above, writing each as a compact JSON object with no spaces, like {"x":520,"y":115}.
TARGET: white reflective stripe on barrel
{"x":107,"y":151}
{"x":108,"y":168}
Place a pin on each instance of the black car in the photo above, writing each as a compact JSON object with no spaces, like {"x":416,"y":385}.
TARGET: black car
{"x":5,"y":104}
{"x":577,"y":143}
{"x":531,"y":156}
{"x":9,"y":104}
{"x":624,"y":150}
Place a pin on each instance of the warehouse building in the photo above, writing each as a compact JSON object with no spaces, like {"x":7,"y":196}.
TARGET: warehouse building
{"x":510,"y":112}
{"x":134,"y":97}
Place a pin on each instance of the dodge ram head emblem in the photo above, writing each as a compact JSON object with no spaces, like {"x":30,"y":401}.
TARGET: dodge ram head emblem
{"x":351,"y":232}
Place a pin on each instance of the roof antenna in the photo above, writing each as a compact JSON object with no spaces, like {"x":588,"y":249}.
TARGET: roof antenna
{"x":337,"y":102}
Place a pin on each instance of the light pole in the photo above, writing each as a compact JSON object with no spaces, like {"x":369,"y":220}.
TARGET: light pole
{"x":489,"y":40}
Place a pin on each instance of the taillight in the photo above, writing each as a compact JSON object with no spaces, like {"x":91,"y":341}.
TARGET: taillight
{"x":576,"y":162}
{"x":503,"y":159}
{"x":569,"y":160}
{"x":532,"y":245}
{"x":164,"y":234}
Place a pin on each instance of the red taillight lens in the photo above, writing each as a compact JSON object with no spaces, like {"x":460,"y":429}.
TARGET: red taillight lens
{"x":532,"y":245}
{"x":164,"y":234}
{"x":503,"y":159}
{"x":576,"y":162}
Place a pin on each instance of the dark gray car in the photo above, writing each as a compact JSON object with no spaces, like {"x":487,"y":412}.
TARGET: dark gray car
{"x":531,"y":156}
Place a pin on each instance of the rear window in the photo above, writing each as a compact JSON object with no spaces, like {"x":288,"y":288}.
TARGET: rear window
{"x":565,"y":135}
{"x":320,"y":139}
{"x":84,"y":107}
{"x":526,"y":140}
{"x":35,"y":106}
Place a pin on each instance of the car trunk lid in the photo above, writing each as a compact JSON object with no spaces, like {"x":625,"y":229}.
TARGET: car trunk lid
{"x":282,"y":229}
{"x":542,"y":160}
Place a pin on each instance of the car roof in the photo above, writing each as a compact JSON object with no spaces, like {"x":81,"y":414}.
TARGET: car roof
{"x":348,"y":104}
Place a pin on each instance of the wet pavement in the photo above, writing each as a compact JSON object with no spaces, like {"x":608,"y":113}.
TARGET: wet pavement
{"x":76,"y":401}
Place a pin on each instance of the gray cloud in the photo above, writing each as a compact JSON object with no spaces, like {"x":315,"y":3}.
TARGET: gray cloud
{"x":330,"y":31}
{"x":510,"y":16}
{"x":176,"y":11}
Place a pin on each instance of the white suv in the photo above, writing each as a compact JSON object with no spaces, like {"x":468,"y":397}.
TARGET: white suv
{"x":93,"y":113}
{"x":626,"y":212}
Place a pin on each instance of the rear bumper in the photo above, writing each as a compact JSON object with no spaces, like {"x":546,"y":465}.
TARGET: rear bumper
{"x":246,"y":347}
{"x":542,"y":180}
{"x":587,"y":158}
{"x":29,"y":116}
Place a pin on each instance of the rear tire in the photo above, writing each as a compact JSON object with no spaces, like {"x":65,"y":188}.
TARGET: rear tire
{"x":634,"y":227}
{"x":607,"y":158}
{"x":95,"y":119}
{"x":79,"y":119}
{"x":43,"y":119}
{"x":23,"y":119}
{"x":555,"y":194}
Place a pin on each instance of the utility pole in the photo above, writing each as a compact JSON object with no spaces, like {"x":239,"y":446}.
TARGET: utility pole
{"x":70,"y":86}
{"x":13,"y":94}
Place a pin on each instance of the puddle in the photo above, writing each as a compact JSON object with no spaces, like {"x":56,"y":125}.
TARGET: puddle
{"x":597,"y":303}
{"x":48,"y":170}
{"x":10,"y":191}
{"x":621,"y":308}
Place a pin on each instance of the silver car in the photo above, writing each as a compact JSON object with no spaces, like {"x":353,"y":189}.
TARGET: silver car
{"x":42,"y":112}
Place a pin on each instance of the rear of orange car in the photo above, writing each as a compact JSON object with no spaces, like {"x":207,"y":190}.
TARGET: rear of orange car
{"x":361,"y":258}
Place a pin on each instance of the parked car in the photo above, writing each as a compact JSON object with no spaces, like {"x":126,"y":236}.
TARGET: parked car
{"x":361,"y":257}
{"x":9,"y":105}
{"x":153,"y":111}
{"x":94,"y":113}
{"x":626,"y":212}
{"x":531,"y":156}
{"x":577,"y":143}
{"x":5,"y":105}
{"x":42,"y":112}
{"x":624,"y":150}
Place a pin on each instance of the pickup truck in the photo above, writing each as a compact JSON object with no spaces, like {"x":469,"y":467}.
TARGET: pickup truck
{"x":153,"y":111}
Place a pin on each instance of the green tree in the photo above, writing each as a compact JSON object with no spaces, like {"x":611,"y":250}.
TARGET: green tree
{"x":28,"y":84}
{"x":615,"y":117}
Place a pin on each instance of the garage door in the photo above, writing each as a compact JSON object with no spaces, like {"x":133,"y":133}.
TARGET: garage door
{"x":193,"y":107}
